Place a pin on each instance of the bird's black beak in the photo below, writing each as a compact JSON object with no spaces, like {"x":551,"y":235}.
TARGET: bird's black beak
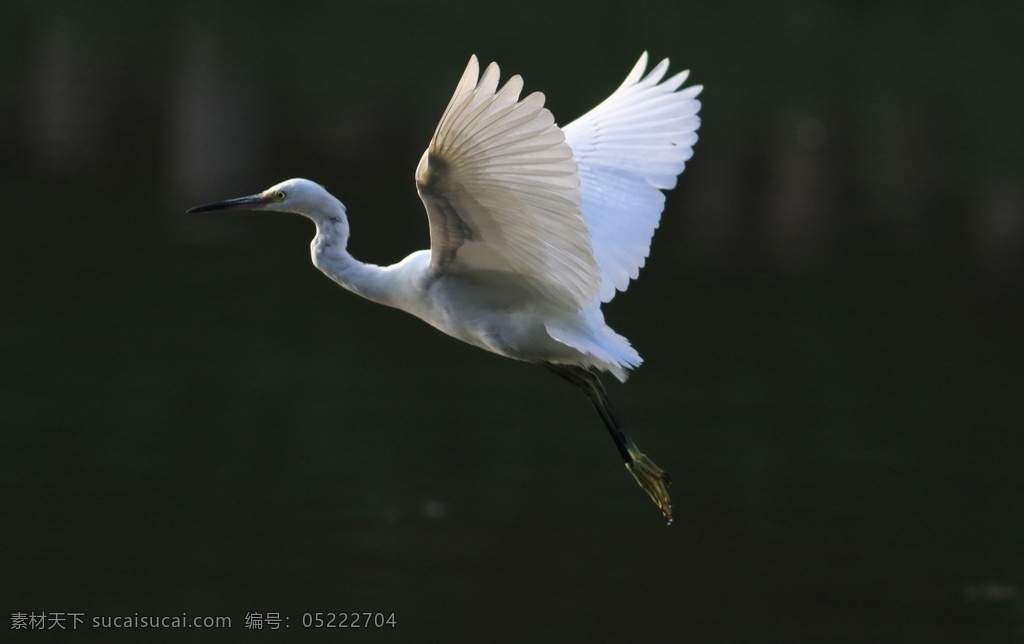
{"x":240,"y":203}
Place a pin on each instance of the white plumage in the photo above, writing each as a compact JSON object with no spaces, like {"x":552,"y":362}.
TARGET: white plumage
{"x":568,"y":212}
{"x":628,"y":149}
{"x":532,"y":226}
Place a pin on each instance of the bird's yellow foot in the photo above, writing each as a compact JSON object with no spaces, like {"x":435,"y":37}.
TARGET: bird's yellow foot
{"x":652,"y":479}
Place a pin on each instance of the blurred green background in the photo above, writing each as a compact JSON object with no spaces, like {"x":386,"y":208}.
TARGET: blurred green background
{"x":194,"y":420}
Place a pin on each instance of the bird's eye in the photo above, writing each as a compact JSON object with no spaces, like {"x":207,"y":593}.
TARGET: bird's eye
{"x":279,"y":195}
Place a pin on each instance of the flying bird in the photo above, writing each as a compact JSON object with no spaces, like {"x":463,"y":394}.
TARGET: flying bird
{"x":532,"y":227}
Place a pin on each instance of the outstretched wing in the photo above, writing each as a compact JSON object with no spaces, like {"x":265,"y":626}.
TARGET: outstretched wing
{"x":502,"y":193}
{"x":628,"y":149}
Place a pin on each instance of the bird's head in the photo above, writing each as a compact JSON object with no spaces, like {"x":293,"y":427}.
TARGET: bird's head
{"x":300,"y":196}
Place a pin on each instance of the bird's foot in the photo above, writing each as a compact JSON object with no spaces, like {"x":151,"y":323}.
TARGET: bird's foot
{"x":652,"y":479}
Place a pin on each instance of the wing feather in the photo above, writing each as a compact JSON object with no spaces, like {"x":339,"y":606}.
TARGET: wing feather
{"x":628,"y":149}
{"x":501,"y":191}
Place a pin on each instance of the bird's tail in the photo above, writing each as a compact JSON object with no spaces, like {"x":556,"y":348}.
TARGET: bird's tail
{"x":603,"y":347}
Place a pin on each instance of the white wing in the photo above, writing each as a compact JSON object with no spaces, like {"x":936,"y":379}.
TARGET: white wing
{"x":628,"y":149}
{"x":502,"y":194}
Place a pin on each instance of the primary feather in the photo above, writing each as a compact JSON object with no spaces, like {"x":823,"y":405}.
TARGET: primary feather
{"x":628,"y":149}
{"x":502,"y":193}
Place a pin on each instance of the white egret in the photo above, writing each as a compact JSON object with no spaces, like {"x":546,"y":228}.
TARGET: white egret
{"x":532,"y":227}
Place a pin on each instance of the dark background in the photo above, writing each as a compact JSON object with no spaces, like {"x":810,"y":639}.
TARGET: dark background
{"x":194,"y":420}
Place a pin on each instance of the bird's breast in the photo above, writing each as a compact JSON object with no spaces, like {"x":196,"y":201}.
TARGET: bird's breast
{"x":506,"y":322}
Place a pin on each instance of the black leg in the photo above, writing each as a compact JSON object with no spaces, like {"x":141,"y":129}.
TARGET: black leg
{"x":651,"y":478}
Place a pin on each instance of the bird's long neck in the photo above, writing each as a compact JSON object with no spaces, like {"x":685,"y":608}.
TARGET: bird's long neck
{"x":330,"y":254}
